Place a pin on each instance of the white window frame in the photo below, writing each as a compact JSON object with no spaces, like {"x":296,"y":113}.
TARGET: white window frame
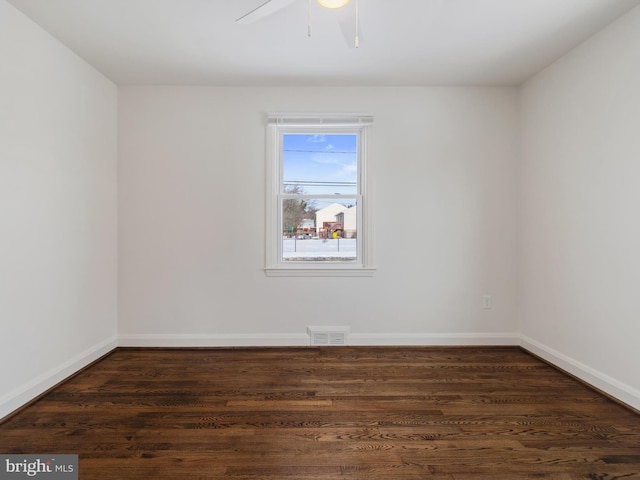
{"x":279,"y":125}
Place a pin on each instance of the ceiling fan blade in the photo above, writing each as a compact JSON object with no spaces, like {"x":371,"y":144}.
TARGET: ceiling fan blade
{"x":266,"y":9}
{"x":347,"y":20}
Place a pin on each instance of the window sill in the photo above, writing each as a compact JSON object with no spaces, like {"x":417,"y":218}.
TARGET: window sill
{"x":319,"y":272}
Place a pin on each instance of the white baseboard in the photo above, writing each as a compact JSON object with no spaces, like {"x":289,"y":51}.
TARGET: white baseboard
{"x":23,"y":394}
{"x":599,"y":380}
{"x":297,"y":340}
{"x":221,"y":340}
{"x":433,"y":339}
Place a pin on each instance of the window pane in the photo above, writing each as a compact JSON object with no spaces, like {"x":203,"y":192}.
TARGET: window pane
{"x":319,"y":230}
{"x":320,"y":164}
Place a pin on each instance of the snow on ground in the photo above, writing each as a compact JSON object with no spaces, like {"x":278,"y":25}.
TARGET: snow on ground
{"x":338,"y":249}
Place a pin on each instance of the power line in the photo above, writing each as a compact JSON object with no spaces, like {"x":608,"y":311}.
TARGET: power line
{"x":312,"y":183}
{"x":319,"y":151}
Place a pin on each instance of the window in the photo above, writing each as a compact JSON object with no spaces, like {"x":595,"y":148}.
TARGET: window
{"x":317,"y":204}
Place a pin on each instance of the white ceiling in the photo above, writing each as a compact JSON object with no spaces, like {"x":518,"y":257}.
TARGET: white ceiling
{"x":403,"y":42}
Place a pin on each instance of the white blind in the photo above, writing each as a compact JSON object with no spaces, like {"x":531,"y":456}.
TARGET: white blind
{"x":312,"y":120}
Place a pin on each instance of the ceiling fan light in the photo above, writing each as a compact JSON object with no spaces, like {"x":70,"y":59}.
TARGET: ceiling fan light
{"x":333,"y":3}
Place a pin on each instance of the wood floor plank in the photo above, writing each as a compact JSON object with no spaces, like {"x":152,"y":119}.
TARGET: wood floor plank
{"x":373,"y":413}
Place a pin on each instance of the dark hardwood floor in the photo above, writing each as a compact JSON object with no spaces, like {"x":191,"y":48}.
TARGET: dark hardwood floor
{"x":330,"y":413}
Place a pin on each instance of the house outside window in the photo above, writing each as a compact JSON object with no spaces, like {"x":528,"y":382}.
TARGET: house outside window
{"x":318,"y":205}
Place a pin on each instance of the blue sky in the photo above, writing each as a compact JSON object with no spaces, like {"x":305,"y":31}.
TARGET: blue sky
{"x":323,"y":163}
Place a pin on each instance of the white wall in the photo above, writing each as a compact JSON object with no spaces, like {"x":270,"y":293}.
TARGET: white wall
{"x":191,"y":213}
{"x":580,"y":210}
{"x":58,"y":206}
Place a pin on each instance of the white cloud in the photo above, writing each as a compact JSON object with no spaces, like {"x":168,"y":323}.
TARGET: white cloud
{"x":350,"y":168}
{"x":317,"y":139}
{"x":327,"y":159}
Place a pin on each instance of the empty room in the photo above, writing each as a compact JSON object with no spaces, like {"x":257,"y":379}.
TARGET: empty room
{"x":320,"y":239}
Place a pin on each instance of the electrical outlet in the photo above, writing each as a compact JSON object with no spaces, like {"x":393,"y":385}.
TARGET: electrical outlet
{"x":487,"y":302}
